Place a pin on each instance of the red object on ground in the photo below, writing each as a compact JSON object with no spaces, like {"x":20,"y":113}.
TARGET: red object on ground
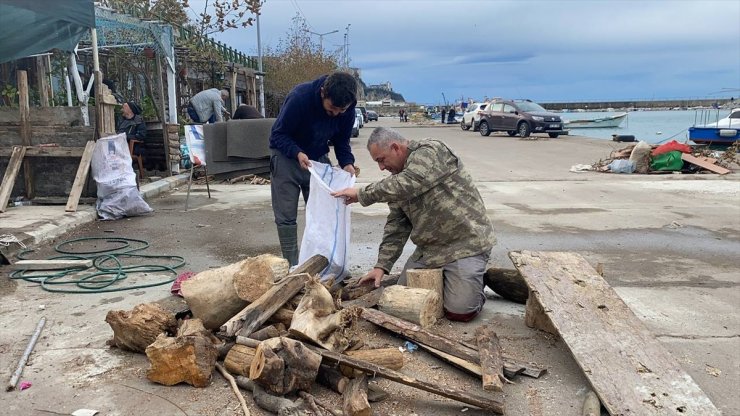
{"x":25,"y":385}
{"x":175,"y":289}
{"x":671,"y":146}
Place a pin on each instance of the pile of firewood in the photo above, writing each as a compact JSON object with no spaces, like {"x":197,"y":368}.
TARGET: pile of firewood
{"x":279,"y":332}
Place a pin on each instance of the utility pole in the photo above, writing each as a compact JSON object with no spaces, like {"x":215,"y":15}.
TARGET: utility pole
{"x":346,"y":46}
{"x":321,"y":37}
{"x":259,"y":65}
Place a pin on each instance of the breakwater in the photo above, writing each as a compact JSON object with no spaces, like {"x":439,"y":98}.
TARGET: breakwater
{"x":649,"y":104}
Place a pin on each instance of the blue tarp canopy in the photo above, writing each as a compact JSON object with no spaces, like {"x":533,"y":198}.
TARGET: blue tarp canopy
{"x":37,"y":26}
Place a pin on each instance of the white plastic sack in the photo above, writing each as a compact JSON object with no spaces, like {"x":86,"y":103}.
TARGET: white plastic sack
{"x":327,"y":220}
{"x":622,"y":166}
{"x":116,"y":180}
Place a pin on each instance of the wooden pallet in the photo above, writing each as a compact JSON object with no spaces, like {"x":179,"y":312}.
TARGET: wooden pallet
{"x":630,"y":370}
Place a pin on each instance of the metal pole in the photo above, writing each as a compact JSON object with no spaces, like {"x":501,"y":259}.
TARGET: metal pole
{"x":26,"y":354}
{"x":259,"y":66}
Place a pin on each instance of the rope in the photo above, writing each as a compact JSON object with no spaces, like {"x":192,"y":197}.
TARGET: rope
{"x":108,"y":266}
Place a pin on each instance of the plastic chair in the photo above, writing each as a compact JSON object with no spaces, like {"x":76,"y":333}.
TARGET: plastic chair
{"x":195,"y":161}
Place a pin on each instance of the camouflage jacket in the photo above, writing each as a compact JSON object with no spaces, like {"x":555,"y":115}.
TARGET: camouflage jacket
{"x":434,"y":201}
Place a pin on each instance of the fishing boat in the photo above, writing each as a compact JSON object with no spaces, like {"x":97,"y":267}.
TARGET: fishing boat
{"x":725,"y":131}
{"x":597,"y":123}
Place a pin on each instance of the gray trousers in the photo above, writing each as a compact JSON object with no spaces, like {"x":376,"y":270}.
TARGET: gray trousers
{"x":287,"y":182}
{"x":463,"y":283}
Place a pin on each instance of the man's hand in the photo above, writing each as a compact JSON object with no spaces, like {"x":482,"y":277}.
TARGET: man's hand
{"x":303,"y":160}
{"x":349,"y":195}
{"x":375,"y":275}
{"x":350,"y":168}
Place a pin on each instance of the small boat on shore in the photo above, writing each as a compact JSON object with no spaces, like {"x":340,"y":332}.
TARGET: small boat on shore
{"x":597,"y":123}
{"x":722,"y":132}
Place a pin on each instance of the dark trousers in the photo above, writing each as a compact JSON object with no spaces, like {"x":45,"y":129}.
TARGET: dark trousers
{"x":287,"y":182}
{"x":194,"y":115}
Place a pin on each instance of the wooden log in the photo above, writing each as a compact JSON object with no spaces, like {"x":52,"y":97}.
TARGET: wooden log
{"x":265,"y":333}
{"x":257,"y":312}
{"x":354,"y":398}
{"x":367,"y":300}
{"x":333,"y":358}
{"x":492,"y":366}
{"x":420,"y":306}
{"x":25,"y":130}
{"x":332,"y":378}
{"x":283,"y":365}
{"x":275,"y":404}
{"x":591,"y":404}
{"x":83,"y":169}
{"x":54,"y":264}
{"x":387,"y":357}
{"x":432,"y":279}
{"x":258,"y":275}
{"x":317,"y":319}
{"x":136,"y":329}
{"x":239,"y":359}
{"x":190,"y":357}
{"x":507,"y":283}
{"x":211,"y":295}
{"x":419,"y":335}
{"x":312,"y":266}
{"x":353,"y":290}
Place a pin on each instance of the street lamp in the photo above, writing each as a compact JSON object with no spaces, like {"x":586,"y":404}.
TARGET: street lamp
{"x":321,"y":37}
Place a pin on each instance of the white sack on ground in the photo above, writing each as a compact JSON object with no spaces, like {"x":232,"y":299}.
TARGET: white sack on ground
{"x":116,"y":180}
{"x":327,"y":220}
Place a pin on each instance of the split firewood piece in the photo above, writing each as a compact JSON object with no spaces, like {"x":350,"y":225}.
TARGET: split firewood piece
{"x":282,"y":316}
{"x":367,"y":300}
{"x":189,"y":357}
{"x":333,"y":358}
{"x":355,"y":398}
{"x":265,"y":333}
{"x":267,"y":401}
{"x":353,"y":291}
{"x":491,"y":363}
{"x":283,"y":365}
{"x":387,"y":357}
{"x":317,"y":319}
{"x":432,"y":279}
{"x":256,"y":313}
{"x":507,"y":283}
{"x":136,"y":329}
{"x":211,"y":296}
{"x":332,"y":378}
{"x":258,"y":275}
{"x":420,"y":306}
{"x":239,"y":359}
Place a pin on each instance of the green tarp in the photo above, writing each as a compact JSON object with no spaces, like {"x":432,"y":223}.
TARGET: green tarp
{"x":37,"y":26}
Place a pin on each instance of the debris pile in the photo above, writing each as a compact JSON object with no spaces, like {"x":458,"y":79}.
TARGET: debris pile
{"x":279,"y":333}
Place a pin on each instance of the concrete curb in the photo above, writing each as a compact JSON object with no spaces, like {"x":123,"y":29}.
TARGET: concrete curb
{"x":161,"y":186}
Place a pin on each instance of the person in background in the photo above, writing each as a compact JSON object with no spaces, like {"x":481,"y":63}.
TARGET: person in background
{"x":208,"y":106}
{"x":313,"y":114}
{"x":246,"y":112}
{"x":132,"y":123}
{"x":400,"y":115}
{"x":451,"y":115}
{"x":443,"y":113}
{"x":434,"y":202}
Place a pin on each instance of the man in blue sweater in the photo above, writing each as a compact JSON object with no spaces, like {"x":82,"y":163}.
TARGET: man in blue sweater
{"x":313,"y":114}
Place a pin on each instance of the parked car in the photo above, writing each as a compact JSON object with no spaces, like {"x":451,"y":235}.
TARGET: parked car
{"x":372,"y":115}
{"x":356,"y":127}
{"x":364,"y":113}
{"x":360,"y":118}
{"x":471,"y":117}
{"x":522,"y":117}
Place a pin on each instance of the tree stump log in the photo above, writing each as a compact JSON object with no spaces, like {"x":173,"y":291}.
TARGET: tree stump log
{"x":317,"y":319}
{"x":355,"y":398}
{"x":283,"y":365}
{"x":137,"y":329}
{"x":420,"y":306}
{"x":189,"y":357}
{"x":331,"y":377}
{"x":507,"y":283}
{"x":387,"y":357}
{"x":432,"y":279}
{"x":239,"y":359}
{"x":258,"y":275}
{"x":211,"y":296}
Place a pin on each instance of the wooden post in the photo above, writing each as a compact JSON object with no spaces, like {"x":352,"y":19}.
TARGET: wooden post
{"x":232,"y":92}
{"x":163,"y":114}
{"x":80,"y":178}
{"x":11,"y":171}
{"x":25,"y":130}
{"x":42,"y":80}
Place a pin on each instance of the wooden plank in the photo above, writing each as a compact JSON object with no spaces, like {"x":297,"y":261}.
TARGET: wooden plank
{"x":51,"y":264}
{"x":25,"y":130}
{"x":11,"y":172}
{"x":627,"y":366}
{"x":80,"y":177}
{"x":32,"y":151}
{"x":704,"y":164}
{"x":42,"y":79}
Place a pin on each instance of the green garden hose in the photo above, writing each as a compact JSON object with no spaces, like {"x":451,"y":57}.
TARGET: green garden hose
{"x":109,"y":266}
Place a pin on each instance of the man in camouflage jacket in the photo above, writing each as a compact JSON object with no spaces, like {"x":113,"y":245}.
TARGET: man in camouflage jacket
{"x":433,"y":201}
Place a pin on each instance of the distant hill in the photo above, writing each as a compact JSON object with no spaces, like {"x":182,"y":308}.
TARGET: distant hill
{"x":378,"y":94}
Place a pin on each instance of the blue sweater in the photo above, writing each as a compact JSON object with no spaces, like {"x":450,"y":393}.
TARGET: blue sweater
{"x":303,"y":126}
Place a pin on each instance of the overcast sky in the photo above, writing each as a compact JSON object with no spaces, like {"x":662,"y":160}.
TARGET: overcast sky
{"x":543,"y":50}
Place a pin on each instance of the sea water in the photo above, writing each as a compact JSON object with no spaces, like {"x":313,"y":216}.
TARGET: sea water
{"x":650,"y":126}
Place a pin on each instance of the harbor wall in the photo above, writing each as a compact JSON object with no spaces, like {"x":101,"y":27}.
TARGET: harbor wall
{"x":662,"y":104}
